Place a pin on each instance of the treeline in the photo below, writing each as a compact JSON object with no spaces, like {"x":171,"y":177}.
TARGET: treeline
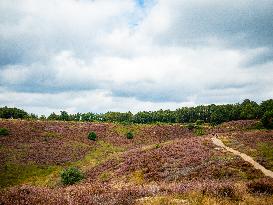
{"x":214,"y":114}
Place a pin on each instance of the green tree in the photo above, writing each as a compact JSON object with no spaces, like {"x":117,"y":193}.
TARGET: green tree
{"x":267,"y":120}
{"x":249,"y":110}
{"x":64,"y":116}
{"x":266,"y":106}
{"x":15,"y":113}
{"x":53,"y":116}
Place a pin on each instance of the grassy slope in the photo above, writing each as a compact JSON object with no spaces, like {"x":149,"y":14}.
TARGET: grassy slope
{"x":166,"y":160}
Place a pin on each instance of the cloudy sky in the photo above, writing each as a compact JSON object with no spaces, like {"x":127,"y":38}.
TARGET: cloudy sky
{"x":120,"y":55}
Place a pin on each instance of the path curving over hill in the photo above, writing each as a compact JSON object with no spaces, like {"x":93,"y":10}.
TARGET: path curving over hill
{"x":245,"y":157}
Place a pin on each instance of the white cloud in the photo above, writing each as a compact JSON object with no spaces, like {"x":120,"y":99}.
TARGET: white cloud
{"x":80,"y":101}
{"x":112,"y":55}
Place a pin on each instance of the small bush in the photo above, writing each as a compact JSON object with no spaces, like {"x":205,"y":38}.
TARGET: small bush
{"x":4,"y":131}
{"x":267,"y":120}
{"x":92,"y":136}
{"x":130,"y":135}
{"x":262,"y":186}
{"x":199,"y":122}
{"x":157,"y":146}
{"x":258,"y":126}
{"x":71,"y":176}
{"x":190,"y":126}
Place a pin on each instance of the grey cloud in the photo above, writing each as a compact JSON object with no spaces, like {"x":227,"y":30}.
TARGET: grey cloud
{"x":236,"y":24}
{"x":261,"y":58}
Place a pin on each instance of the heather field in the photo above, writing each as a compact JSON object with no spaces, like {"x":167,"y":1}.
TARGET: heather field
{"x":136,"y":102}
{"x":156,"y":164}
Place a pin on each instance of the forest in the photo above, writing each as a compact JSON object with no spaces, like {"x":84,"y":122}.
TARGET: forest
{"x":214,"y":114}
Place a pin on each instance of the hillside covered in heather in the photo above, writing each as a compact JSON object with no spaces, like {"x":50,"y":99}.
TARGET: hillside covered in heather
{"x":157,"y":164}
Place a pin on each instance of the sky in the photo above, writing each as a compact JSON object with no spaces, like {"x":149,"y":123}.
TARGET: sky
{"x":121,"y":55}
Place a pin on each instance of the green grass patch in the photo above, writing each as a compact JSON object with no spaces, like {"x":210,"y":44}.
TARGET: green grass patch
{"x":15,"y":174}
{"x":79,"y":145}
{"x":101,"y":153}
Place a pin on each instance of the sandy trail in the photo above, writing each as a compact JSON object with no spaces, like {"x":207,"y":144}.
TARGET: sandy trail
{"x":245,"y":157}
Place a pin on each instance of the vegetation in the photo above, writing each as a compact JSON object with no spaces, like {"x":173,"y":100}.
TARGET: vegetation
{"x":100,"y":154}
{"x":199,"y":131}
{"x":163,"y":158}
{"x":92,"y":136}
{"x":164,"y":164}
{"x":262,"y":186}
{"x":130,"y":135}
{"x":267,"y":119}
{"x":214,"y":114}
{"x":14,"y":174}
{"x":15,"y":113}
{"x":266,"y":152}
{"x":199,"y":122}
{"x":190,"y":126}
{"x":71,"y":176}
{"x":4,"y":131}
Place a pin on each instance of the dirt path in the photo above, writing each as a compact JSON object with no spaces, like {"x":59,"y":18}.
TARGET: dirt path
{"x":245,"y":157}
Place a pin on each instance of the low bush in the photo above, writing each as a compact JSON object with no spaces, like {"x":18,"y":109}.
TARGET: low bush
{"x":4,"y":131}
{"x":258,"y":126}
{"x":262,"y":186}
{"x":71,"y":176}
{"x":199,"y":122}
{"x":190,"y":126}
{"x":92,"y":136}
{"x":130,"y":135}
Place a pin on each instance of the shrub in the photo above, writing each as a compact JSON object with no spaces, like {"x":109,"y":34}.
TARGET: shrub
{"x":258,"y":126}
{"x":92,"y":136}
{"x":190,"y":126}
{"x":4,"y":131}
{"x":262,"y":186}
{"x":130,"y":135}
{"x":199,"y":122}
{"x":71,"y":176}
{"x":267,"y":120}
